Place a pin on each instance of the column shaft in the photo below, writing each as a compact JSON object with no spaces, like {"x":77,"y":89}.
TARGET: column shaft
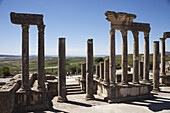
{"x":146,"y":58}
{"x":41,"y":70}
{"x":135,"y":57}
{"x":83,"y":77}
{"x":89,"y":70}
{"x":106,"y":71}
{"x":101,"y":71}
{"x":162,"y":71}
{"x":141,"y":71}
{"x":61,"y":71}
{"x":124,"y":57}
{"x":25,"y":57}
{"x":156,"y":66}
{"x":97,"y":71}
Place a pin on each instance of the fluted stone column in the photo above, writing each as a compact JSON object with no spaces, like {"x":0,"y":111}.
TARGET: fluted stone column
{"x":41,"y":70}
{"x":156,"y":66}
{"x":83,"y":76}
{"x":97,"y":71}
{"x":25,"y":58}
{"x":146,"y":58}
{"x":135,"y":57}
{"x":106,"y":71}
{"x":162,"y":70}
{"x":101,"y":71}
{"x":61,"y":71}
{"x":124,"y":57}
{"x":141,"y":71}
{"x":112,"y":67}
{"x":89,"y":70}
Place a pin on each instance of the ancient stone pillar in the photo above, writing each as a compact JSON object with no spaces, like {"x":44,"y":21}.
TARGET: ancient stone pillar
{"x":135,"y":57}
{"x":83,"y":76}
{"x":25,"y":57}
{"x":97,"y":71}
{"x":101,"y":71}
{"x":141,"y":71}
{"x":106,"y":71}
{"x":124,"y":57}
{"x":41,"y":70}
{"x":61,"y":71}
{"x":156,"y":66}
{"x":162,"y":70}
{"x":146,"y":58}
{"x":89,"y":70}
{"x":112,"y":67}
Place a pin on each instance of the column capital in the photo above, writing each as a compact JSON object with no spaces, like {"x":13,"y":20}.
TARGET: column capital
{"x":162,"y":39}
{"x":41,"y":27}
{"x":124,"y":32}
{"x":146,"y":34}
{"x":25,"y":27}
{"x":135,"y":33}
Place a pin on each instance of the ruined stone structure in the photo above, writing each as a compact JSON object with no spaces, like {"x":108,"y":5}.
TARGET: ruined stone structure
{"x":121,"y":92}
{"x":61,"y":71}
{"x":156,"y":66}
{"x":165,"y":79}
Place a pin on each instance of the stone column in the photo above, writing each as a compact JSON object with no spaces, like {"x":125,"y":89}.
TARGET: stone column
{"x":25,"y":58}
{"x":101,"y":71}
{"x":41,"y":70}
{"x":112,"y":67}
{"x":106,"y":71}
{"x":162,"y":71}
{"x":124,"y":57}
{"x":146,"y":58}
{"x":156,"y":66}
{"x":135,"y":57}
{"x":89,"y":70}
{"x":61,"y":71}
{"x":97,"y":71}
{"x":83,"y":77}
{"x":141,"y":71}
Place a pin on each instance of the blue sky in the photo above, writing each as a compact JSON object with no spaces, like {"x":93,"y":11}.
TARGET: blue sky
{"x":78,"y":20}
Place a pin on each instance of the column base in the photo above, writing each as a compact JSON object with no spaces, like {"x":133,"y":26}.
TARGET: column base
{"x":90,"y":97}
{"x":145,"y":81}
{"x":136,"y":82}
{"x":156,"y":90}
{"x":62,"y":99}
{"x":124,"y":83}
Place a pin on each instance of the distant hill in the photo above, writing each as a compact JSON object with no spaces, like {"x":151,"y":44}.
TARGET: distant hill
{"x":10,"y":56}
{"x":167,"y":53}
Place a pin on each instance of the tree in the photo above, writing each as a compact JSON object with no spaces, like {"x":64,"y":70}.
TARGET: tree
{"x":99,"y":59}
{"x":5,"y":71}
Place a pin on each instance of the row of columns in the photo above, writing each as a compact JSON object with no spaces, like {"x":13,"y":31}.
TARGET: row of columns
{"x":25,"y":58}
{"x":145,"y":64}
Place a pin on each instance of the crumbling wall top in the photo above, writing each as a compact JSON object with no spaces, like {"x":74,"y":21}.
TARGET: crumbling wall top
{"x":23,"y":18}
{"x":120,"y":18}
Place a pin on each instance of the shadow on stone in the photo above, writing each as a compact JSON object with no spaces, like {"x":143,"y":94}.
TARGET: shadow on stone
{"x":79,"y":104}
{"x":159,"y":104}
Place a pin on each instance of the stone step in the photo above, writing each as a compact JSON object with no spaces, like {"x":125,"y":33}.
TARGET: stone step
{"x":73,"y":90}
{"x":76,"y":92}
{"x":73,"y":87}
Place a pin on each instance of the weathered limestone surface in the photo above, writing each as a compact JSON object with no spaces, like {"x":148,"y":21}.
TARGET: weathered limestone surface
{"x":83,"y":77}
{"x":162,"y":71}
{"x":135,"y":57}
{"x":141,"y":71}
{"x":101,"y":71}
{"x":25,"y":58}
{"x":61,"y":71}
{"x":89,"y":70}
{"x":41,"y":70}
{"x":166,"y":35}
{"x":97,"y":71}
{"x":22,"y":18}
{"x":146,"y":58}
{"x":124,"y":57}
{"x":106,"y":71}
{"x":112,"y":67}
{"x":156,"y":66}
